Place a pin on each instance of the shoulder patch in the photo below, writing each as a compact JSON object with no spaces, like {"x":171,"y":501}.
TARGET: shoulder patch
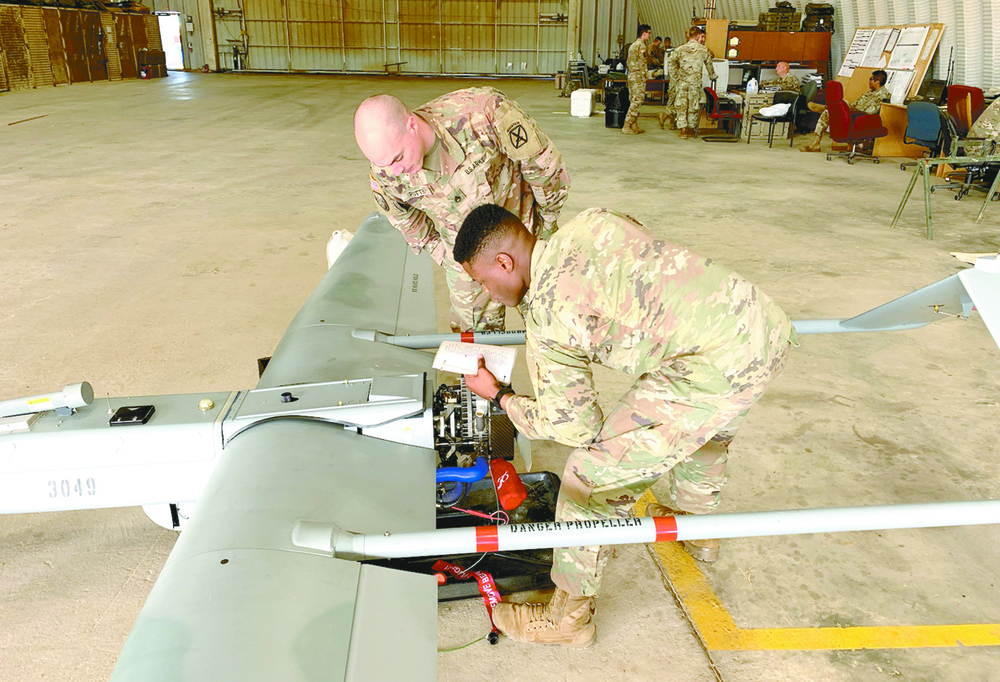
{"x":519,"y":135}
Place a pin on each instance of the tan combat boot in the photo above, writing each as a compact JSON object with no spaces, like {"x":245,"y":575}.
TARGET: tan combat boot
{"x":565,"y":621}
{"x":813,"y":146}
{"x":661,"y":118}
{"x":628,"y":128}
{"x":702,"y":550}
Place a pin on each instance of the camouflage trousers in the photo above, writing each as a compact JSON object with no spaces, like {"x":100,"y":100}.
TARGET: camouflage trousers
{"x":636,"y":96}
{"x":823,"y":123}
{"x":662,"y":426}
{"x":687,"y":104}
{"x":472,"y":309}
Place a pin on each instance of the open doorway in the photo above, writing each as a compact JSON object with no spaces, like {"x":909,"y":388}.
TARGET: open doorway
{"x":170,"y":36}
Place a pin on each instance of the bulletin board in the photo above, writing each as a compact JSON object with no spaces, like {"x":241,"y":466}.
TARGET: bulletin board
{"x":903,"y":52}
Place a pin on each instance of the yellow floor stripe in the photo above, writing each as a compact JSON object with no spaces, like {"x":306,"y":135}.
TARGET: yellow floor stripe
{"x":720,"y":632}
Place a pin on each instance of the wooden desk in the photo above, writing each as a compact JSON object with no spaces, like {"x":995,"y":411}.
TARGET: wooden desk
{"x":894,"y":119}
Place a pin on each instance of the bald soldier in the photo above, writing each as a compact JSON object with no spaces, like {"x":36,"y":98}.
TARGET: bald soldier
{"x":703,"y":341}
{"x":432,"y":165}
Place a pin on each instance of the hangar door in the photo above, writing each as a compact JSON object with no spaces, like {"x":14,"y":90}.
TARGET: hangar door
{"x":518,"y":37}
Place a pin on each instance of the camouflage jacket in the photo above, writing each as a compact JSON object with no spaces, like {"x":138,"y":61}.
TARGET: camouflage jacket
{"x":656,"y":55}
{"x":871,"y":101}
{"x":789,"y":82}
{"x":686,"y":62}
{"x":604,"y":291}
{"x":987,"y":127}
{"x":637,"y":62}
{"x":490,"y":152}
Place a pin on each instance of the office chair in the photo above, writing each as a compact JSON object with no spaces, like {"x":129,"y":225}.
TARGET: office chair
{"x":782,"y":97}
{"x":723,"y":111}
{"x":850,"y":130}
{"x":965,"y":105}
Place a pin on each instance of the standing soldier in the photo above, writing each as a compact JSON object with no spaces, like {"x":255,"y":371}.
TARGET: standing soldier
{"x":704,"y":342}
{"x":685,"y":80}
{"x":432,"y":165}
{"x":637,"y":64}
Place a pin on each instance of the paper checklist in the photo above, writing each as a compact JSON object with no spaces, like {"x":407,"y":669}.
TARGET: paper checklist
{"x":463,"y":358}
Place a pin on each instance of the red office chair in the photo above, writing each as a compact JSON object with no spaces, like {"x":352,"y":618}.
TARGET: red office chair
{"x":852,"y":130}
{"x":725,"y":112}
{"x":965,"y":104}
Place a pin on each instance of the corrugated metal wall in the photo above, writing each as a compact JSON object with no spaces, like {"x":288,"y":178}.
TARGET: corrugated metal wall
{"x":430,"y":36}
{"x":972,"y":28}
{"x":43,"y":47}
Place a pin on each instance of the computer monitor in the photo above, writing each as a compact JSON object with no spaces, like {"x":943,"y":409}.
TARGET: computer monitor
{"x":750,"y":71}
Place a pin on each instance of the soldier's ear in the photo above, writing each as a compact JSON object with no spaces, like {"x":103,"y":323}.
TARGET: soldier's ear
{"x":505,"y":261}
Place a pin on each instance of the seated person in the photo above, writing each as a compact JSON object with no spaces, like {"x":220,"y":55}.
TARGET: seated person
{"x":987,"y":128}
{"x":784,"y":81}
{"x":655,"y":58}
{"x":868,"y":103}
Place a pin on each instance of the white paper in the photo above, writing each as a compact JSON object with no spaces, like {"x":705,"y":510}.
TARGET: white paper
{"x":929,"y":46}
{"x":846,"y":71}
{"x":856,"y":52}
{"x":898,"y":85}
{"x":463,"y":358}
{"x":904,"y":57}
{"x":876,"y":46}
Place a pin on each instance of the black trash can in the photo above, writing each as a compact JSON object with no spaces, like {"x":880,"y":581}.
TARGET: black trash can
{"x":616,"y":103}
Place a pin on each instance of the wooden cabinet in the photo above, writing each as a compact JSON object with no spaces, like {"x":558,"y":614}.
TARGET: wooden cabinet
{"x":780,"y":46}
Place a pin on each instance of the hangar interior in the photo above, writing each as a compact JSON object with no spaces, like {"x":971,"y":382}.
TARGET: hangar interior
{"x":160,"y":234}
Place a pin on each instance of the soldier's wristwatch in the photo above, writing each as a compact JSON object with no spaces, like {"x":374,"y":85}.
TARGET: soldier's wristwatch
{"x":504,"y":390}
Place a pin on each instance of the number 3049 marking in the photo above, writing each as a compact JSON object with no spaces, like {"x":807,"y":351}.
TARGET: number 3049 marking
{"x":69,"y":488}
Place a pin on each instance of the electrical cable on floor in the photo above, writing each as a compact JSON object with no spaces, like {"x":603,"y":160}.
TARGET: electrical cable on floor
{"x":475,"y":641}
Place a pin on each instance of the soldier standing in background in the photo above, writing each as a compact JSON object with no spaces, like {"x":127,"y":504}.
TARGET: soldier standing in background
{"x":685,"y":80}
{"x":704,"y":342}
{"x":637,"y":64}
{"x":431,"y":166}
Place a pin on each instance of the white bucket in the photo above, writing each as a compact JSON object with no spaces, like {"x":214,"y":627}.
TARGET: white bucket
{"x":581,"y":103}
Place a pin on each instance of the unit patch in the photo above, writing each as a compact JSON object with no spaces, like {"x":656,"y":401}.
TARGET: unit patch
{"x":380,"y":200}
{"x":518,"y":136}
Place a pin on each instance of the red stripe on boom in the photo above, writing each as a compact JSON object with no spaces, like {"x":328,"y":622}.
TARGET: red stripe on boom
{"x":468,"y":337}
{"x":666,"y":528}
{"x":486,"y":538}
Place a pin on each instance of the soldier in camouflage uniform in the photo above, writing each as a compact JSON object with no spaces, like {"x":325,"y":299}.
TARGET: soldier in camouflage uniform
{"x":868,"y":103}
{"x":685,"y":80}
{"x":704,"y":342}
{"x":433,"y":165}
{"x":987,"y":127}
{"x":636,"y":64}
{"x":784,"y":80}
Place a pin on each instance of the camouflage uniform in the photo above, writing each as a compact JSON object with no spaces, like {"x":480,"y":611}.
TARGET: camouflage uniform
{"x":685,"y":82}
{"x":636,"y":65}
{"x":490,"y":151}
{"x":869,"y":103}
{"x":986,"y":126}
{"x":656,"y":55}
{"x":704,"y":342}
{"x":789,"y":82}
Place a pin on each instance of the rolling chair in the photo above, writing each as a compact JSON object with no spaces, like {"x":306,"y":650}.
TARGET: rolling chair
{"x":852,"y":130}
{"x":965,"y":105}
{"x":724,"y":112}
{"x":782,"y":97}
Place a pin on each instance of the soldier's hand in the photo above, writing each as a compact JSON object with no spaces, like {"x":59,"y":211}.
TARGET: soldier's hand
{"x":483,"y":383}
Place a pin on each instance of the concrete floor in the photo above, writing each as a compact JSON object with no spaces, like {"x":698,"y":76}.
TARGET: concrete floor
{"x":159,"y":235}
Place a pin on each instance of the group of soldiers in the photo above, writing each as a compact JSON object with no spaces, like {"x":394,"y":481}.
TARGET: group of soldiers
{"x":683,"y":110}
{"x":471,"y":178}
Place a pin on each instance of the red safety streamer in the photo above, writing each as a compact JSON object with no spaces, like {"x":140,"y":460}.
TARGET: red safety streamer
{"x":487,"y":588}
